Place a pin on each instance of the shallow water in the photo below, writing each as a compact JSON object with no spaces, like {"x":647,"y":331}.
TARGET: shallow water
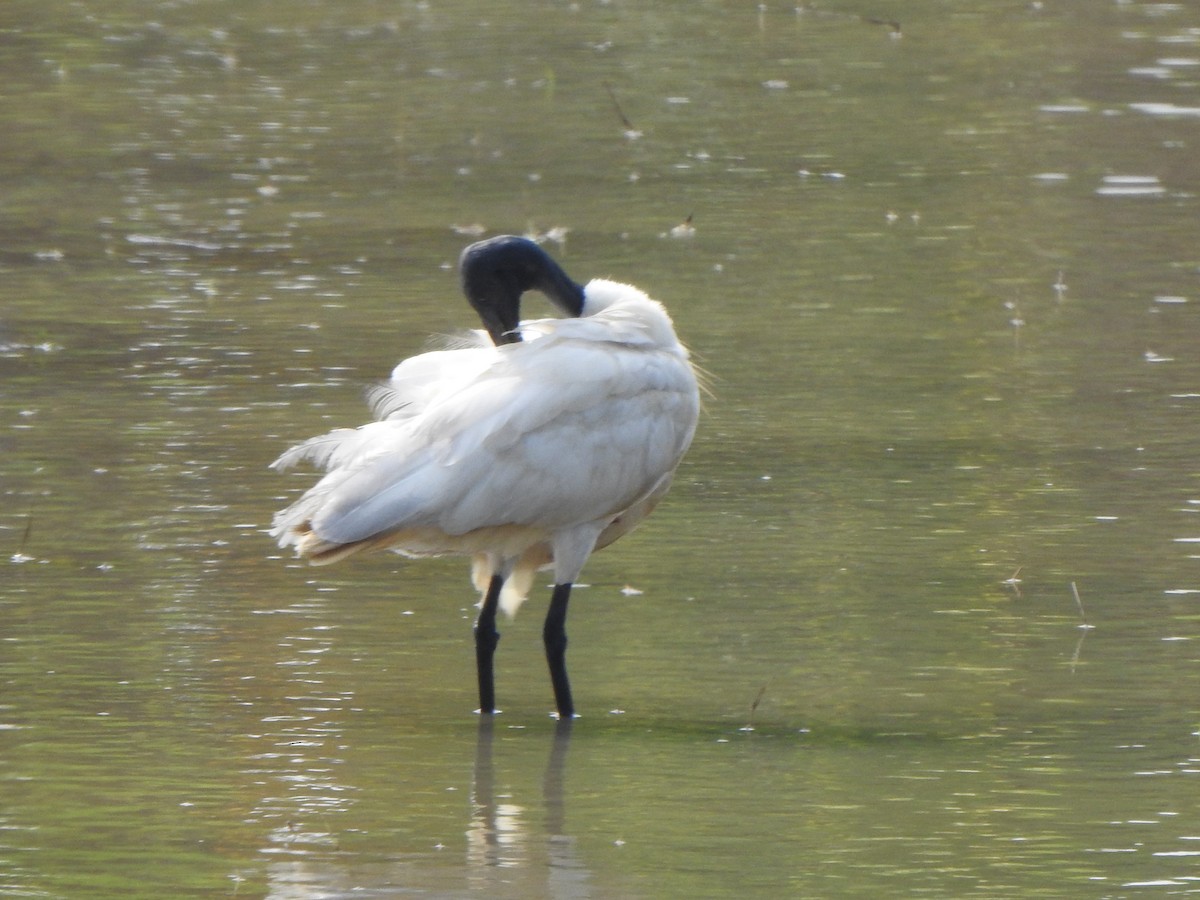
{"x":919,"y":617}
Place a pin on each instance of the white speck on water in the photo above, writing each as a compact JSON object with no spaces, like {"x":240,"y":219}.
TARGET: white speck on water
{"x":1130,"y":186}
{"x":1165,"y":109}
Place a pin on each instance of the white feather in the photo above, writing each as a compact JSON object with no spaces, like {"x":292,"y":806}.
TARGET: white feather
{"x":522,"y":454}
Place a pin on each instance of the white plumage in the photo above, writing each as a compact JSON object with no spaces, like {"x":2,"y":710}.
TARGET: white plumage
{"x":533,"y":451}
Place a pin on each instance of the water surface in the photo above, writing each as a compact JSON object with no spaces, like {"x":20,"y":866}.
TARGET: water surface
{"x":919,"y":617}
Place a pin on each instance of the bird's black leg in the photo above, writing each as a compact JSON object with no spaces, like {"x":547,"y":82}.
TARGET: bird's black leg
{"x":486,"y":638}
{"x":554,"y":636}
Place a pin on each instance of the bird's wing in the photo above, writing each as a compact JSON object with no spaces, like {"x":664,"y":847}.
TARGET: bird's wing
{"x":420,"y":382}
{"x":554,"y":431}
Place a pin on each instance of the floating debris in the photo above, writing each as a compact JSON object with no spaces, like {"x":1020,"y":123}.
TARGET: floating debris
{"x":684,"y":229}
{"x":631,"y":132}
{"x":1014,"y":581}
{"x":887,"y":23}
{"x":556,"y":235}
{"x":828,"y":175}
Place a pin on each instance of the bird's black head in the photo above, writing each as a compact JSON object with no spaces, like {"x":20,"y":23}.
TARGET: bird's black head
{"x":496,"y":272}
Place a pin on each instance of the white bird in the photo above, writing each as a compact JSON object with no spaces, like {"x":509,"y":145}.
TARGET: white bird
{"x":533,"y":450}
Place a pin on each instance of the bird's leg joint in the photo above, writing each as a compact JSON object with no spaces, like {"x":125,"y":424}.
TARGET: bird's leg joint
{"x":486,"y":636}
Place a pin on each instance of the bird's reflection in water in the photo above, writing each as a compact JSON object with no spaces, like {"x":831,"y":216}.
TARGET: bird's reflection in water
{"x":499,"y":840}
{"x":510,"y":850}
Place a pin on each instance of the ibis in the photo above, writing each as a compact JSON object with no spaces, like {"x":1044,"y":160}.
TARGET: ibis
{"x":535,"y":444}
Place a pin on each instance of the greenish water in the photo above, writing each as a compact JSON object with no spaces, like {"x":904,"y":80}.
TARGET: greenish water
{"x":920,"y":615}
